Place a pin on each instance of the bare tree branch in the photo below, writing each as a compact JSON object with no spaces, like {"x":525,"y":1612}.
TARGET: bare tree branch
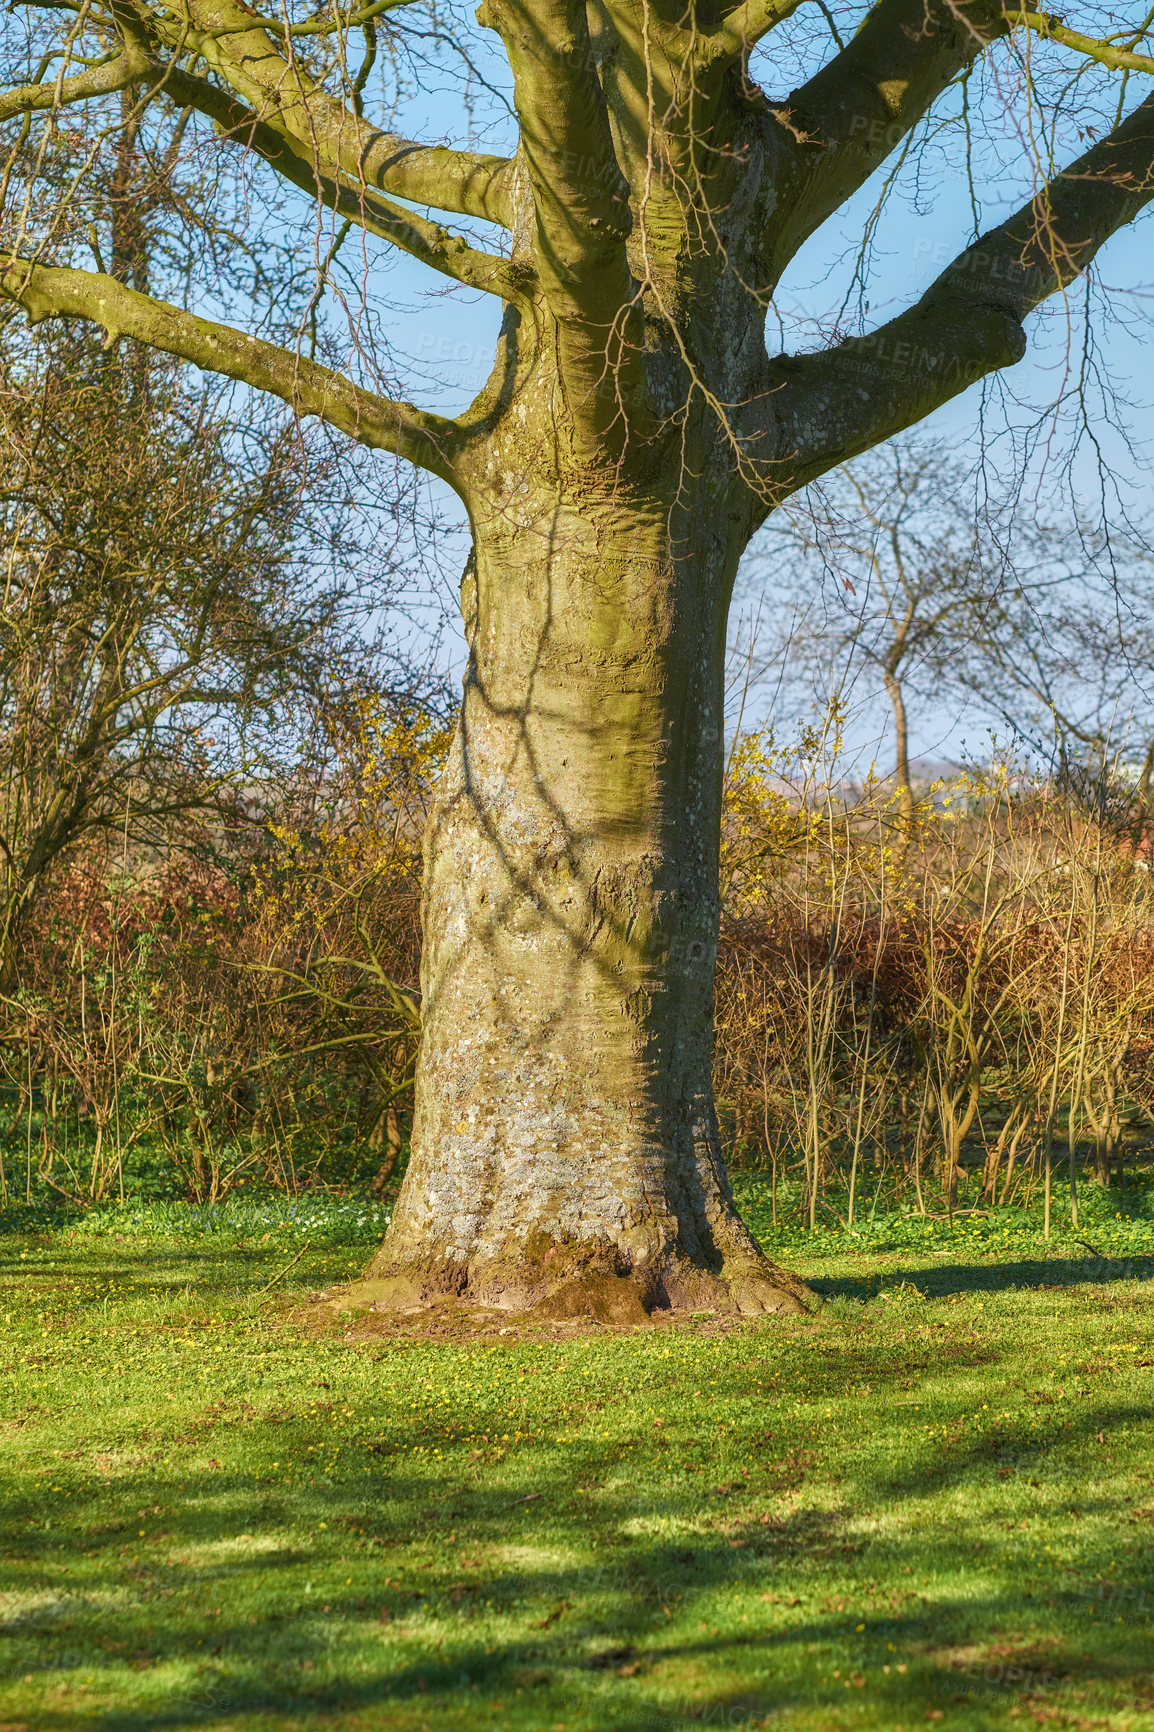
{"x":747,"y":22}
{"x":52,"y":292}
{"x":116,"y":74}
{"x":243,"y":52}
{"x":1095,"y":48}
{"x":969,"y":322}
{"x":848,"y":118}
{"x":424,"y":240}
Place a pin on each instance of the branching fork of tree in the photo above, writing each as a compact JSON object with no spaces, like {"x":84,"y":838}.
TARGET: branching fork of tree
{"x":634,"y":434}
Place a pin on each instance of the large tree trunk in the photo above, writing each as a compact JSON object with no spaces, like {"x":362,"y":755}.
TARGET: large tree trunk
{"x":565,"y":1150}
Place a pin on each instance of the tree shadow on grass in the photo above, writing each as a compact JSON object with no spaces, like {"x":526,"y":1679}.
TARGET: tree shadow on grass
{"x":85,"y":1273}
{"x":940,"y":1280}
{"x":1035,"y":1445}
{"x":619,"y":1634}
{"x":241,"y":1610}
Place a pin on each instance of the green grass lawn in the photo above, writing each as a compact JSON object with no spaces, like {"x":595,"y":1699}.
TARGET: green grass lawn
{"x":930,"y":1503}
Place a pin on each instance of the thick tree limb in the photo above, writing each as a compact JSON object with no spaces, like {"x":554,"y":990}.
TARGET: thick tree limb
{"x":416,"y":235}
{"x":247,"y":57}
{"x":116,"y":74}
{"x":969,"y":322}
{"x":581,"y":202}
{"x":849,"y":117}
{"x":53,"y":292}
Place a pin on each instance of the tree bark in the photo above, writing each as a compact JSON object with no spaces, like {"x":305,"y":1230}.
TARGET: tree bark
{"x":565,"y":1146}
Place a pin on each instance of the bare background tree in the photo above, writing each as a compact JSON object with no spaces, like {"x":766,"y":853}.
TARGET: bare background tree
{"x":896,"y":581}
{"x":163,"y":618}
{"x":883,"y":577}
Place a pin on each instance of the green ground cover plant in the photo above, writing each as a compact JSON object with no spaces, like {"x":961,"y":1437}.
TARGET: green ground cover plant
{"x":928,"y":1503}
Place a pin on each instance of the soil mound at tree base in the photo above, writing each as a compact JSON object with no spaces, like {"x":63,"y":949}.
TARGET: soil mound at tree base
{"x":566,"y":1278}
{"x":586,"y":1295}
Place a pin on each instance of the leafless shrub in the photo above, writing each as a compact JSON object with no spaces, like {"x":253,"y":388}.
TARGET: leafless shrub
{"x":973,"y":1000}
